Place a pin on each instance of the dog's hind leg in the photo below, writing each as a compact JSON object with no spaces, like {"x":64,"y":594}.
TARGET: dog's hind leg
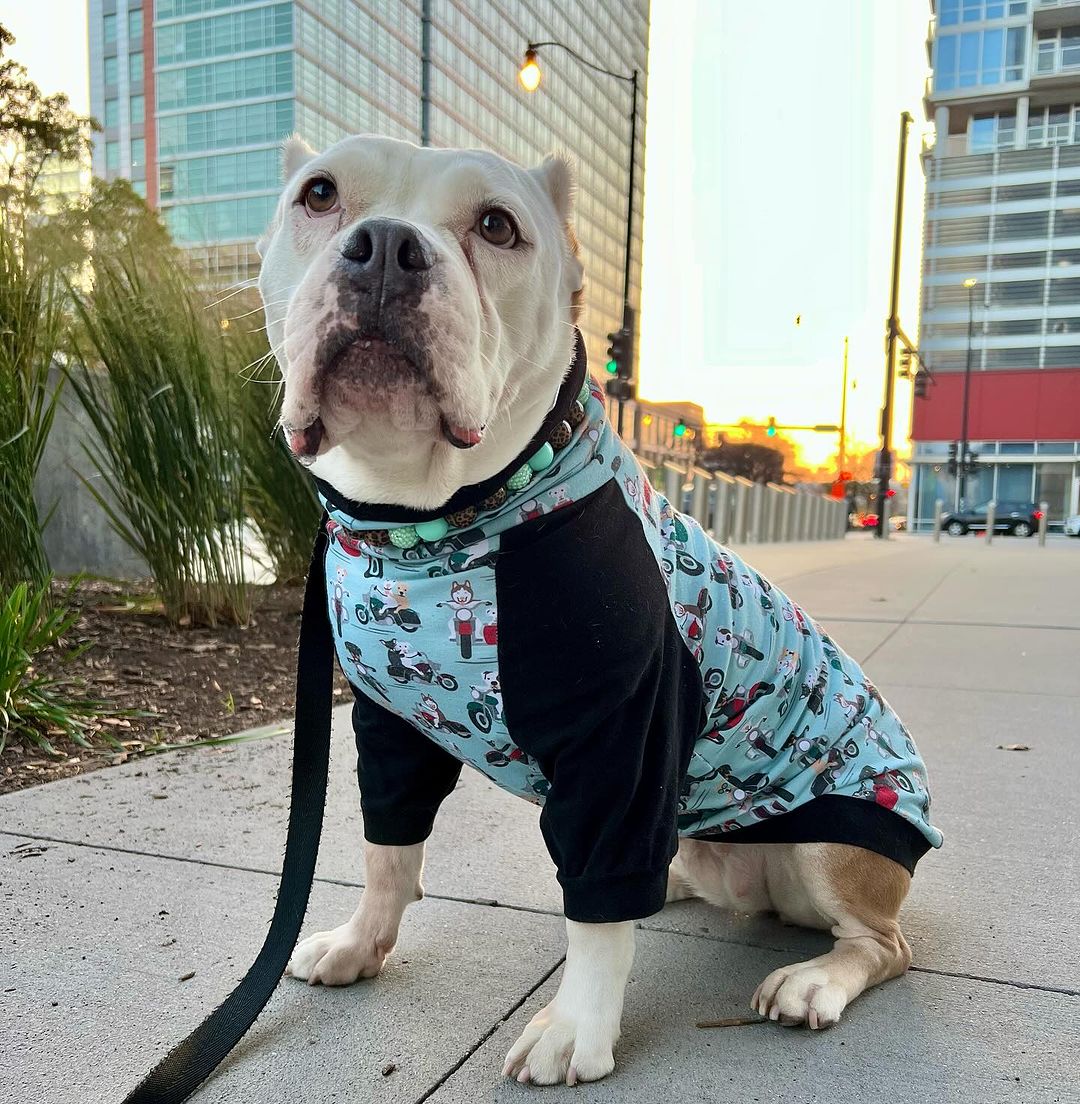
{"x":856,"y":893}
{"x":358,"y":948}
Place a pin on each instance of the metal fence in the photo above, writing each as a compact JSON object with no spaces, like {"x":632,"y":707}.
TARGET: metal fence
{"x":735,"y":511}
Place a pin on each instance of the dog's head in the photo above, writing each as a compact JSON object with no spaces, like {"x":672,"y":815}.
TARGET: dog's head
{"x":420,"y":303}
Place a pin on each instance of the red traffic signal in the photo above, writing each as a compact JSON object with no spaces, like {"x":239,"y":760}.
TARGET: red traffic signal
{"x":890,"y":493}
{"x":845,"y":476}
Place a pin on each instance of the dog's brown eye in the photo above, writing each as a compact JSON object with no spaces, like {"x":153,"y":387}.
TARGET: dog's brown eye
{"x":320,"y":196}
{"x":497,"y":227}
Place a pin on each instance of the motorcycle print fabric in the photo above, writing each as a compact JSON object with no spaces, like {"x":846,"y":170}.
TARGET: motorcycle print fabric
{"x":590,"y":648}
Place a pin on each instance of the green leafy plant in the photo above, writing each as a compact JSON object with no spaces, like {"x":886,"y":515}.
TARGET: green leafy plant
{"x":34,"y":706}
{"x":30,"y":324}
{"x":150,"y":372}
{"x":281,"y":498}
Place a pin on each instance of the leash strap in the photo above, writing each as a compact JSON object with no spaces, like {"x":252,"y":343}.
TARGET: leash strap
{"x":185,"y":1067}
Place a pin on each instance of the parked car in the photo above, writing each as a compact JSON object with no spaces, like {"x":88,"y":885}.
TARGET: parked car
{"x":1072,"y":526}
{"x":1021,"y":519}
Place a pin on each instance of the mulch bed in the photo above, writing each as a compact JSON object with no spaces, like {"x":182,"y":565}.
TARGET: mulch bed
{"x":191,"y":684}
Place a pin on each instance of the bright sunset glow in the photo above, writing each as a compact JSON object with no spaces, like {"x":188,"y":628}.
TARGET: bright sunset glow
{"x":770,"y":177}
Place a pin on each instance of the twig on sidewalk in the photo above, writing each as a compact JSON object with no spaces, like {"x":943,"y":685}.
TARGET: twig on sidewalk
{"x":734,"y":1021}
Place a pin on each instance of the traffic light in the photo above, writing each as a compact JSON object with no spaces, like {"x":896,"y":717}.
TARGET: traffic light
{"x":680,"y":428}
{"x":770,"y":429}
{"x":922,"y":384}
{"x":620,"y":362}
{"x":905,"y":363}
{"x":952,"y":465}
{"x":616,"y":352}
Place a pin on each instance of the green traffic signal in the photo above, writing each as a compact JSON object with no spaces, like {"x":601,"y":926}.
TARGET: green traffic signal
{"x":680,"y":430}
{"x":612,"y":367}
{"x":771,"y":431}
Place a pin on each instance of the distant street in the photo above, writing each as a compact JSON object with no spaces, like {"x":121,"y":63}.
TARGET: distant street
{"x":139,"y":894}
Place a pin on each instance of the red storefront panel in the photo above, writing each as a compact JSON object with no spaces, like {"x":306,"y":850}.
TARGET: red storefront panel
{"x":1021,"y":405}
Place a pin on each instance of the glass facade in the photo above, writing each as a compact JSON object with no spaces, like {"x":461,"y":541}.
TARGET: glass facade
{"x":232,"y":78}
{"x":1002,"y":207}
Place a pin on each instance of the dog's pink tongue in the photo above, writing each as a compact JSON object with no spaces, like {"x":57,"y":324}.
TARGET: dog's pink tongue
{"x":304,"y":444}
{"x":463,"y":437}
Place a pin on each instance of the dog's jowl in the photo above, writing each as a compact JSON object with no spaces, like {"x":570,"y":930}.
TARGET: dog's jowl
{"x":506,"y":590}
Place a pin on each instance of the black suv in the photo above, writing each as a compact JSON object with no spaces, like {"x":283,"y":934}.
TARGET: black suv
{"x":1021,"y":519}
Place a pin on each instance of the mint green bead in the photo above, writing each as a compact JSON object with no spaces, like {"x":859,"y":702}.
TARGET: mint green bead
{"x":432,"y":530}
{"x":543,"y":458}
{"x":520,"y":479}
{"x":404,"y":536}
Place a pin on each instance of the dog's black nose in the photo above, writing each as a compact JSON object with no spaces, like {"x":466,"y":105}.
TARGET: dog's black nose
{"x":386,"y":249}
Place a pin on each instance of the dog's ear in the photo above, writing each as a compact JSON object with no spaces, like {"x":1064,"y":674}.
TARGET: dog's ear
{"x":556,"y":176}
{"x":295,"y":154}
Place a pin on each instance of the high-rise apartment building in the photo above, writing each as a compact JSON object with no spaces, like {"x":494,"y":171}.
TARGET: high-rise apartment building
{"x":1002,"y":210}
{"x":196,"y":96}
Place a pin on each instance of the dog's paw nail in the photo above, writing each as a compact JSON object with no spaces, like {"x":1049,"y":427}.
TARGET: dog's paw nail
{"x":571,"y":1076}
{"x":523,"y":1077}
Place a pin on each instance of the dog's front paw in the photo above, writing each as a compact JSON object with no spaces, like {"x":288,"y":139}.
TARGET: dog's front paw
{"x":800,"y":994}
{"x":558,"y":1046}
{"x":337,"y":957}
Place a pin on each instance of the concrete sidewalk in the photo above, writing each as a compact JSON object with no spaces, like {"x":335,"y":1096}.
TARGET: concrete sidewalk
{"x":117,"y":885}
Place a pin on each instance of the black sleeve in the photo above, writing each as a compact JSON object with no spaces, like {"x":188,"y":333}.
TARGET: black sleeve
{"x":600,"y":689}
{"x":403,"y":775}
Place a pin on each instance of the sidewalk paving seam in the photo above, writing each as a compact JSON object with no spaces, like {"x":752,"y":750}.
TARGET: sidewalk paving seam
{"x":1042,"y":695}
{"x":914,"y":610}
{"x":490,"y":902}
{"x":488,"y":1034}
{"x":946,"y":624}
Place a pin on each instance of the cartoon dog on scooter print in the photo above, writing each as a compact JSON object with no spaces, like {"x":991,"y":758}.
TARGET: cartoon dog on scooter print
{"x":462,"y":623}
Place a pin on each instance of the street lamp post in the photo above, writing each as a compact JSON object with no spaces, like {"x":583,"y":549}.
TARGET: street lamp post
{"x":530,"y":76}
{"x":885,"y":458}
{"x":962,"y":457}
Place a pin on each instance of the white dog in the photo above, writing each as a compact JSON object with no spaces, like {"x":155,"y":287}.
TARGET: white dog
{"x":421,"y":303}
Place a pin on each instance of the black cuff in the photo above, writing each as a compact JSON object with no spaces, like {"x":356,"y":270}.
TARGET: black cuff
{"x":398,"y":828}
{"x":613,"y":898}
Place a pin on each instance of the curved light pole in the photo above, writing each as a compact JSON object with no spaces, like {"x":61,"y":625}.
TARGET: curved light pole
{"x":530,"y":76}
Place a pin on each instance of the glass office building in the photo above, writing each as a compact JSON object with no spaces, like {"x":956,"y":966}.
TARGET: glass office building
{"x":196,"y":96}
{"x":1002,"y":209}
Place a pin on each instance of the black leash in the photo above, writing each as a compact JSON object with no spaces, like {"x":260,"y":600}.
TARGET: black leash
{"x":185,"y":1067}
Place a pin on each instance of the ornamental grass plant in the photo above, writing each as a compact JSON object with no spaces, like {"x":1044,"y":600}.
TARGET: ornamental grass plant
{"x":150,"y":371}
{"x":35,"y":706}
{"x":280,"y":495}
{"x":31,"y":319}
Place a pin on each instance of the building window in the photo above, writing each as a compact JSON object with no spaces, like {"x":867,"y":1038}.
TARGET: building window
{"x":138,"y":152}
{"x":138,"y":109}
{"x":991,"y":132}
{"x":950,"y":12}
{"x":111,"y":71}
{"x":991,"y":56}
{"x":112,"y":112}
{"x":135,"y":24}
{"x":139,"y":188}
{"x":135,"y":68}
{"x":112,"y":157}
{"x":108,"y":29}
{"x":1058,"y":49}
{"x":166,"y":177}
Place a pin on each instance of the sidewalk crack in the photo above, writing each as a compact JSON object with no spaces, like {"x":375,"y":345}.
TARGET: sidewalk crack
{"x":488,"y":1034}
